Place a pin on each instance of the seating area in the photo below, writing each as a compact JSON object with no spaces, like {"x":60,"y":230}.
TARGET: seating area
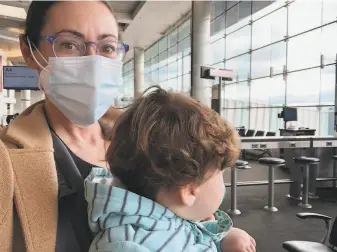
{"x":272,"y":229}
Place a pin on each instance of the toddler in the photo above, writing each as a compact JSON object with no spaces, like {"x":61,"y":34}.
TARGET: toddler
{"x":167,"y":157}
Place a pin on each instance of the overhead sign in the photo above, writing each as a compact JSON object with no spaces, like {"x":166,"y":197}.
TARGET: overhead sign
{"x":20,"y":78}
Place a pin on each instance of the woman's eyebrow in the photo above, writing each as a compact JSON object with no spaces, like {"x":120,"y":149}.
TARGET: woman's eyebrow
{"x":80,"y":35}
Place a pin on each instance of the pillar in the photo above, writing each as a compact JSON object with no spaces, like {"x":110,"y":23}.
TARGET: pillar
{"x":11,"y":97}
{"x":138,"y":71}
{"x":201,"y":31}
{"x":25,"y":99}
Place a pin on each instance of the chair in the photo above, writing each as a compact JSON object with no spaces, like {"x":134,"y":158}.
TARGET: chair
{"x":238,"y":164}
{"x":308,"y":246}
{"x":271,"y":163}
{"x":305,"y":162}
{"x":250,"y":133}
{"x":271,"y":133}
{"x":242,"y":132}
{"x":259,"y":133}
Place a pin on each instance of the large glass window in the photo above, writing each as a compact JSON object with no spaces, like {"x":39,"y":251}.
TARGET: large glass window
{"x":270,"y":28}
{"x":236,"y":95}
{"x":238,"y":42}
{"x":329,"y":42}
{"x":304,"y":15}
{"x":303,"y":88}
{"x":238,"y":117}
{"x":328,"y":79}
{"x":304,"y":50}
{"x":267,"y":92}
{"x":269,"y":60}
{"x":241,"y":67}
{"x":218,"y":49}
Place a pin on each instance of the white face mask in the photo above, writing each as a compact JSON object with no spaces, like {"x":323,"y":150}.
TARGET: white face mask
{"x":82,"y":88}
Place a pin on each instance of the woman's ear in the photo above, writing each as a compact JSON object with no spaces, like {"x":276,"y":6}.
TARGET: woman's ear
{"x":188,"y":194}
{"x":26,"y":53}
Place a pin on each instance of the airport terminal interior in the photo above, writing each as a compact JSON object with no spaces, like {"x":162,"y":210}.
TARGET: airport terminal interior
{"x":276,"y":85}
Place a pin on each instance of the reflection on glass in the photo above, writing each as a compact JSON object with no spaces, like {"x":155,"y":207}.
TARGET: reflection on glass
{"x":184,"y":30}
{"x":163,"y":59}
{"x":240,"y":66}
{"x":162,"y":74}
{"x":218,"y":8}
{"x":304,"y":15}
{"x":154,"y":63}
{"x":326,"y":121}
{"x":232,"y":16}
{"x":308,"y":117}
{"x":172,"y":70}
{"x":172,"y":85}
{"x":147,"y":67}
{"x":270,"y":28}
{"x":304,"y":50}
{"x":236,"y":95}
{"x":163,"y":44}
{"x":184,"y":47}
{"x":303,"y":88}
{"x":238,"y":42}
{"x":187,"y":83}
{"x":218,"y":50}
{"x":262,"y":8}
{"x":329,"y":11}
{"x":267,"y":92}
{"x":237,"y":117}
{"x":327,"y":94}
{"x":172,"y":53}
{"x":154,"y":77}
{"x":329,"y":42}
{"x":218,"y":24}
{"x":271,"y":56}
{"x":173,"y":38}
{"x":186,"y":64}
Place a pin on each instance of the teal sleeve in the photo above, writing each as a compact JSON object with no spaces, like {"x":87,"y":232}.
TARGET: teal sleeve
{"x":123,"y":246}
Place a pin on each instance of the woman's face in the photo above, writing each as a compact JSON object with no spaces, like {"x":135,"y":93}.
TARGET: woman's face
{"x":90,"y":20}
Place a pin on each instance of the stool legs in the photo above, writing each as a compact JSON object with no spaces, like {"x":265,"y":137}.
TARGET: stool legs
{"x":305,"y":201}
{"x":233,"y":210}
{"x":334,"y":173}
{"x":270,"y":207}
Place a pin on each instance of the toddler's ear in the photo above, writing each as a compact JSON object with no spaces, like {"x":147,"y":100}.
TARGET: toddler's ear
{"x":188,"y":194}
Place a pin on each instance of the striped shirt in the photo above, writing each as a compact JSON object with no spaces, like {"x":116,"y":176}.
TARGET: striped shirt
{"x":125,"y":221}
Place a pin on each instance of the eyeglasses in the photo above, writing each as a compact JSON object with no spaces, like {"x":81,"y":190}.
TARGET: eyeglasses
{"x":72,"y":46}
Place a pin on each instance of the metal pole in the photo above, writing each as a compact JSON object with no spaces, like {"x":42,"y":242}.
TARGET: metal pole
{"x":305,"y":203}
{"x":270,"y":206}
{"x":233,"y":210}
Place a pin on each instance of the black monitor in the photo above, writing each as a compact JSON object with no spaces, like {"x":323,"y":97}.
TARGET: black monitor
{"x":289,"y":114}
{"x":20,"y":78}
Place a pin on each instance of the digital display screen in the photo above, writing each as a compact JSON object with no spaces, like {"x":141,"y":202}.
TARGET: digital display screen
{"x":20,"y":78}
{"x":289,"y":114}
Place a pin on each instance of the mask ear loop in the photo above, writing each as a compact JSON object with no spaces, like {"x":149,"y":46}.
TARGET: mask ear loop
{"x":36,"y":61}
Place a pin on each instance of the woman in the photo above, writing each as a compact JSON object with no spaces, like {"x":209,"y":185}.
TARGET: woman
{"x":47,"y":152}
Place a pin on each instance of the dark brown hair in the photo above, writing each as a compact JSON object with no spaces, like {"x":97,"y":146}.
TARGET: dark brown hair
{"x":167,"y":139}
{"x":36,"y":18}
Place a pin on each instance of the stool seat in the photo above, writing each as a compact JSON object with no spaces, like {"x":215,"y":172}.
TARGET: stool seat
{"x":334,"y":157}
{"x":271,"y":161}
{"x":306,"y":160}
{"x":240,"y":163}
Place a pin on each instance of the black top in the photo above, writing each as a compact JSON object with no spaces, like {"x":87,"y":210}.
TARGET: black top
{"x":66,"y":240}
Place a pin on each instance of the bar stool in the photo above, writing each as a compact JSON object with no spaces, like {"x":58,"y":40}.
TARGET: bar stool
{"x":271,"y":163}
{"x":305,"y":162}
{"x":334,"y":158}
{"x":234,"y":210}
